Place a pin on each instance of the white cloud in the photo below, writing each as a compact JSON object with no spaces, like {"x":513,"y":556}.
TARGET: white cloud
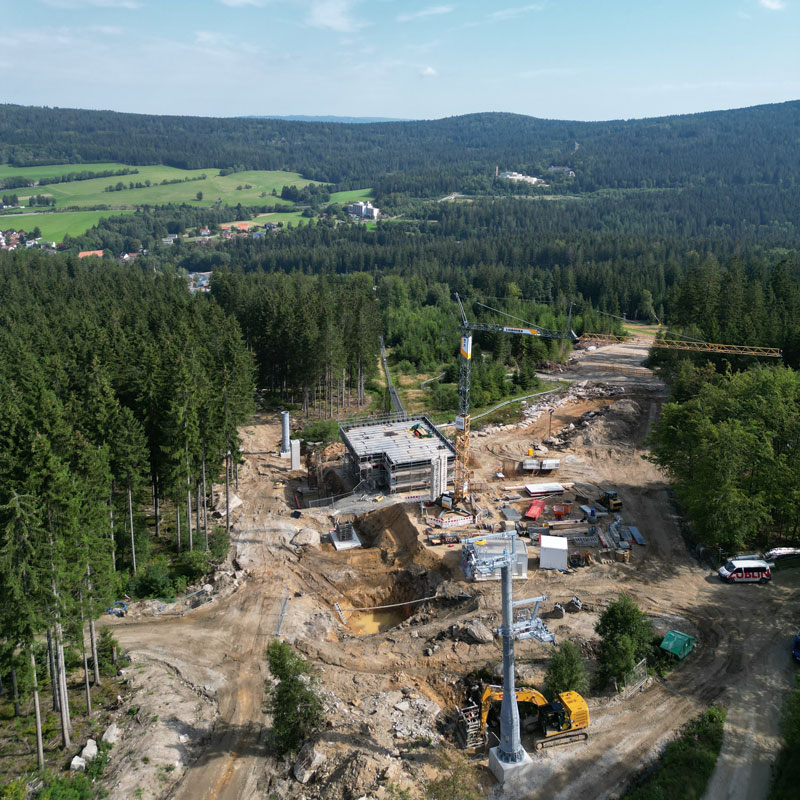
{"x":431,"y":11}
{"x":240,"y":3}
{"x":428,"y":72}
{"x":211,"y":39}
{"x":773,"y":5}
{"x":511,"y":13}
{"x":333,"y":14}
{"x":41,"y":37}
{"x":131,"y":4}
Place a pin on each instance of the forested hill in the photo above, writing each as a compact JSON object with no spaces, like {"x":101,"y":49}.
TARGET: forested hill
{"x":757,"y":145}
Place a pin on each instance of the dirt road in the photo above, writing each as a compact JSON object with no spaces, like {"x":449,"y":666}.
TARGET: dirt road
{"x":220,"y":647}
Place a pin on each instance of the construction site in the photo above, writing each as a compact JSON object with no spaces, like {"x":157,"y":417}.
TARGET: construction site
{"x":420,"y":585}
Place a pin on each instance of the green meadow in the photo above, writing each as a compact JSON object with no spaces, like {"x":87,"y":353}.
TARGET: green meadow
{"x":55,"y":226}
{"x":295,"y":217}
{"x":92,"y":192}
{"x":351,"y":196}
{"x":250,"y":188}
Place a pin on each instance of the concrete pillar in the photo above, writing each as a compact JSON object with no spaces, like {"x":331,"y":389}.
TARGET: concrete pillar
{"x":295,"y":451}
{"x":285,"y":432}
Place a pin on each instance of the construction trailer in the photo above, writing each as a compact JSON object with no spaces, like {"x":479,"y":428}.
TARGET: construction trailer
{"x":552,"y":552}
{"x":398,"y":454}
{"x":541,"y":466}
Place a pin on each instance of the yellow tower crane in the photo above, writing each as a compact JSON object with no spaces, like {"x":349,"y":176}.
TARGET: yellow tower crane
{"x":461,"y":469}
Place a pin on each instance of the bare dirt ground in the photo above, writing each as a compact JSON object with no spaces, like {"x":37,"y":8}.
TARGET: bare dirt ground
{"x":389,"y":695}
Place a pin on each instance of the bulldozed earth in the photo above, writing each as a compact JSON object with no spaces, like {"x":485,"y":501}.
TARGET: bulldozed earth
{"x":393,"y":677}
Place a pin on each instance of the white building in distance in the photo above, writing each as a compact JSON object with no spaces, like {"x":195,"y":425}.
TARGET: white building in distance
{"x":518,"y":176}
{"x":365,"y":210}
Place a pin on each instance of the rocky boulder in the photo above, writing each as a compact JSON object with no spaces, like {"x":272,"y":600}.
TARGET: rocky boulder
{"x":476,"y":632}
{"x":111,"y":736}
{"x":77,"y":764}
{"x":309,"y":760}
{"x":90,"y":751}
{"x":306,"y":537}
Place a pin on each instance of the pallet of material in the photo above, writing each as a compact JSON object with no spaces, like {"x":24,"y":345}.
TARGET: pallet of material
{"x":566,"y":524}
{"x":587,"y":511}
{"x":586,"y":541}
{"x":544,"y":489}
{"x":571,"y":535}
{"x":636,"y":534}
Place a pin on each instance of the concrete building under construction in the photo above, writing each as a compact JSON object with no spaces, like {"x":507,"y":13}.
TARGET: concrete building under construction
{"x":399,"y":454}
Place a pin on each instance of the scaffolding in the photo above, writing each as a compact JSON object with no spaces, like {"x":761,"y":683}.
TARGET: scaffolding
{"x":397,"y":454}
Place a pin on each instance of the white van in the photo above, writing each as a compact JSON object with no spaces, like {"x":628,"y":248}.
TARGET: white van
{"x":749,"y":570}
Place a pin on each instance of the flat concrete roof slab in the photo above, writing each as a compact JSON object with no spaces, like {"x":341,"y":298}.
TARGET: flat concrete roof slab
{"x":396,"y":440}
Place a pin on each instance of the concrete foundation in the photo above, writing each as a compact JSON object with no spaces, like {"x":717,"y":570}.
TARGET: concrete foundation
{"x":294,"y":446}
{"x":508,"y":773}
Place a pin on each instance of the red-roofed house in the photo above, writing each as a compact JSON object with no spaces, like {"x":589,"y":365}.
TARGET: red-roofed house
{"x":87,"y":253}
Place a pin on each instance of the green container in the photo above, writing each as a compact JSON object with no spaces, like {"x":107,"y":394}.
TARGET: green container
{"x":677,"y":643}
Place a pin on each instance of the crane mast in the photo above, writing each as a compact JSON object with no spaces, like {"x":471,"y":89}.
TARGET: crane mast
{"x":461,"y":467}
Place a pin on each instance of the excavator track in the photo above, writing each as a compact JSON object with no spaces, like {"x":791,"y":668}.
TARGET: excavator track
{"x":569,"y":737}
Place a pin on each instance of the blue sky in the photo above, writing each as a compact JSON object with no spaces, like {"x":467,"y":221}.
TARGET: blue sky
{"x":565,"y":59}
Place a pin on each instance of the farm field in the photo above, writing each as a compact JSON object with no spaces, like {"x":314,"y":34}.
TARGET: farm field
{"x":295,"y":217}
{"x":92,"y":192}
{"x":55,"y":225}
{"x":51,"y":170}
{"x":352,"y":196}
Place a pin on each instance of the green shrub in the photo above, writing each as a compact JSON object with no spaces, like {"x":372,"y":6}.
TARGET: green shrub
{"x":625,"y":633}
{"x":76,"y":787}
{"x":105,"y":653}
{"x":97,"y":766}
{"x":565,"y":671}
{"x":218,"y":543}
{"x":192,"y":565}
{"x":154,"y":580}
{"x":16,"y":790}
{"x":295,"y":705}
{"x":324,"y":431}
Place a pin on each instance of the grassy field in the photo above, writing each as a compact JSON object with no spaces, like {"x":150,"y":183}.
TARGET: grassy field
{"x":91,"y":193}
{"x":295,"y":217}
{"x":54,"y":226}
{"x":51,"y":170}
{"x":351,"y":196}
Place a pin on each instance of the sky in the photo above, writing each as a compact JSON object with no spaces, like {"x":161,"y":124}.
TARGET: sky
{"x":410,"y":59}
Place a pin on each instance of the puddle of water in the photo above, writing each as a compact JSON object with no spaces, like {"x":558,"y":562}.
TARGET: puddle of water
{"x":363,"y":623}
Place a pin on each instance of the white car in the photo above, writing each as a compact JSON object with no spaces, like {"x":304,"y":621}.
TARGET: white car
{"x":753,"y":570}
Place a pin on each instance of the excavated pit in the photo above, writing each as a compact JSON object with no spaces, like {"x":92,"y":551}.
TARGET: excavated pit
{"x":392,"y":569}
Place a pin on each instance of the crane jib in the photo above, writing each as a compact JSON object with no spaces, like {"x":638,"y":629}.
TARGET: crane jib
{"x":526,"y":331}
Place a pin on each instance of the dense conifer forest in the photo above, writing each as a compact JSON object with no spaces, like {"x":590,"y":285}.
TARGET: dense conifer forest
{"x":116,"y":387}
{"x":730,"y":148}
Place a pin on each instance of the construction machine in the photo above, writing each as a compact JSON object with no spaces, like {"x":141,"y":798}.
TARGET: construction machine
{"x":611,"y":502}
{"x":461,"y":474}
{"x":562,"y":721}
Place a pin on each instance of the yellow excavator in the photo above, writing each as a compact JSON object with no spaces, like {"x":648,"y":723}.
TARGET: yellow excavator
{"x":562,"y":721}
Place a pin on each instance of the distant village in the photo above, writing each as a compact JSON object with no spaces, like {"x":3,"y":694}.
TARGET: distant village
{"x":12,"y":238}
